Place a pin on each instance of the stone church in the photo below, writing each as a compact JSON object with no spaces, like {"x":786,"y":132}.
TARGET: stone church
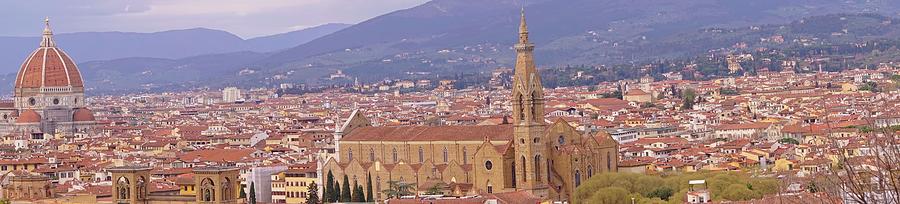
{"x":545,"y":159}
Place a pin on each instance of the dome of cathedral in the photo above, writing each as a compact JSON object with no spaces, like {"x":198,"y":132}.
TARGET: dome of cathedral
{"x":83,"y":114}
{"x":48,"y":66}
{"x":29,"y":116}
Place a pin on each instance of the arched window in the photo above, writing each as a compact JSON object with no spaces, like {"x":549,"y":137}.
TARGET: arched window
{"x":534,"y":114}
{"x":141,"y":187}
{"x":590,"y":171}
{"x":394,"y":155}
{"x":371,"y":155}
{"x":521,"y":108}
{"x":227,"y":193}
{"x":524,"y":170}
{"x":122,"y":189}
{"x":207,"y":190}
{"x":577,"y":178}
{"x":446,"y":155}
{"x":421,"y":155}
{"x":490,"y":187}
{"x":537,"y":167}
{"x":378,"y":186}
{"x":350,"y":154}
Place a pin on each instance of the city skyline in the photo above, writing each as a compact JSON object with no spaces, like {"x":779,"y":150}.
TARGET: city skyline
{"x":466,"y":102}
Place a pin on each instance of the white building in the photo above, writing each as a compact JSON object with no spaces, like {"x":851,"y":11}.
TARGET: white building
{"x":231,"y":95}
{"x":261,"y":178}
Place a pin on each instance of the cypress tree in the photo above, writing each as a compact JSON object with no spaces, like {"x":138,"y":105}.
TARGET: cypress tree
{"x":345,"y":190}
{"x":244,"y":193}
{"x":312,"y":194}
{"x":369,"y":196}
{"x":358,"y":193}
{"x":252,"y":194}
{"x":329,"y":188}
{"x":336,"y":196}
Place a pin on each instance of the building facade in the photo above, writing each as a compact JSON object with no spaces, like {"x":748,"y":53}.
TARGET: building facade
{"x":48,"y":97}
{"x":231,"y":95}
{"x":546,"y":160}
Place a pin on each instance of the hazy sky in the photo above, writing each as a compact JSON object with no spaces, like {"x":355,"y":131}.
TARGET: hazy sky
{"x":246,"y":18}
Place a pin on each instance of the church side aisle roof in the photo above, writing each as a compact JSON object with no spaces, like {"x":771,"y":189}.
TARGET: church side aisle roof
{"x":431,"y":133}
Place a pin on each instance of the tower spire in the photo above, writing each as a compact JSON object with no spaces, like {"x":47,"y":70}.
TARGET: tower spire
{"x":47,"y":40}
{"x":528,"y":119}
{"x":523,"y":28}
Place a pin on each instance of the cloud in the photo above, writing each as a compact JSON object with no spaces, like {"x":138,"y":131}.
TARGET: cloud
{"x":242,"y":17}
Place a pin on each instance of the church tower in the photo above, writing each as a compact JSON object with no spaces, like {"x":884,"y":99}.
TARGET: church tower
{"x":528,"y":117}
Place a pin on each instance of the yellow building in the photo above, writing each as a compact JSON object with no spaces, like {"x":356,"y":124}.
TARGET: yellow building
{"x":23,"y":164}
{"x":782,"y":165}
{"x":185,"y":184}
{"x":296,"y":184}
{"x":544,"y":160}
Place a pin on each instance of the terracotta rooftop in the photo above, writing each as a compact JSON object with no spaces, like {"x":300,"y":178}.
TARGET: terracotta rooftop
{"x":431,"y":133}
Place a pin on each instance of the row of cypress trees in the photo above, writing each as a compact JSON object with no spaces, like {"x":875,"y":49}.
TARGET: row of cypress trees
{"x":341,"y":191}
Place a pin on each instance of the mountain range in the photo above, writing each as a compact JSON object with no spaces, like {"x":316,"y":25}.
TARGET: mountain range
{"x":445,"y":37}
{"x":174,"y":44}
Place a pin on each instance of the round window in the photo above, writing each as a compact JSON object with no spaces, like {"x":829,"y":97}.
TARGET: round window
{"x":55,"y":101}
{"x":488,"y":165}
{"x":31,"y":101}
{"x":5,"y":117}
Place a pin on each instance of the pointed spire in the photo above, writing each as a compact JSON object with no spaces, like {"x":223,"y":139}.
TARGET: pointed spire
{"x":523,"y":28}
{"x":47,"y":40}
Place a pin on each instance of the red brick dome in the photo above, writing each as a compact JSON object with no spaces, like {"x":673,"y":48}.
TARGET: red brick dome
{"x":29,"y":116}
{"x":48,"y":66}
{"x":82,"y":115}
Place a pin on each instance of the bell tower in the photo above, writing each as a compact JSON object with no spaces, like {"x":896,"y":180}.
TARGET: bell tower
{"x":528,"y":119}
{"x":130,"y":184}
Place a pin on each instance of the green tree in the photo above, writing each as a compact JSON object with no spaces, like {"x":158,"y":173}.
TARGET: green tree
{"x":673,"y":187}
{"x":764,"y":186}
{"x":436,"y":189}
{"x":346,"y":191}
{"x":357,"y":193}
{"x":312,"y":193}
{"x":243,"y":194}
{"x":329,"y":188}
{"x":336,"y":196}
{"x":252,"y":194}
{"x":788,"y":140}
{"x":662,"y":192}
{"x":610,"y":195}
{"x":688,"y":97}
{"x":397,"y":189}
{"x":369,"y":196}
{"x":738,"y":192}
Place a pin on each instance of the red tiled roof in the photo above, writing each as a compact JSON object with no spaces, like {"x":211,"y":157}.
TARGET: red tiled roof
{"x":431,"y":133}
{"x":217,"y":155}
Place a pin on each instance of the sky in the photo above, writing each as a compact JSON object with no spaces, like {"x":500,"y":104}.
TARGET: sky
{"x":245,"y":18}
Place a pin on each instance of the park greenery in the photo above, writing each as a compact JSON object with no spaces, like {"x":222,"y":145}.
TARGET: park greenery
{"x":620,"y":188}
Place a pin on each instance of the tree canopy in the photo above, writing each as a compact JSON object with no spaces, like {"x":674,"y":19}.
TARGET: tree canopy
{"x":621,"y":187}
